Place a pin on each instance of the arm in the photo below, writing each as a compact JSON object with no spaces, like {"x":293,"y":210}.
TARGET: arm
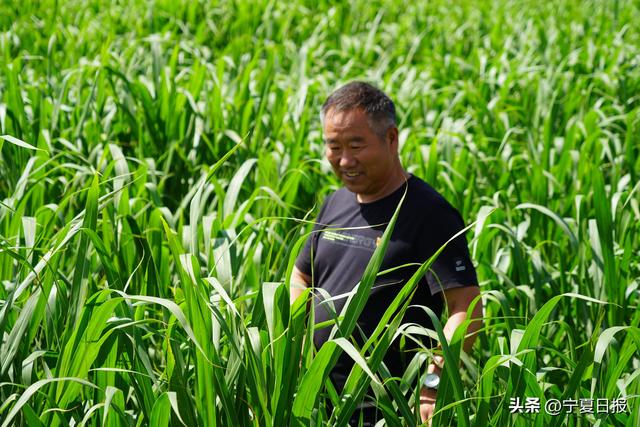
{"x":298,"y":282}
{"x":458,"y":301}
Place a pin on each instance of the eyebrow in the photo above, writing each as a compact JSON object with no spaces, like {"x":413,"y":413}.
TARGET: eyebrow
{"x":350,"y":140}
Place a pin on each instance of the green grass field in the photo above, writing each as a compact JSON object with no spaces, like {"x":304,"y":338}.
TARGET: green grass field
{"x":162,"y":161}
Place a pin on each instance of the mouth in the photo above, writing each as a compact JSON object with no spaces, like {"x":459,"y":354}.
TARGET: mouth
{"x":351,"y":174}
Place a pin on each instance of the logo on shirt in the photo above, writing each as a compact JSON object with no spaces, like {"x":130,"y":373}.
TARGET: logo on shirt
{"x":350,"y":239}
{"x":460,"y":266}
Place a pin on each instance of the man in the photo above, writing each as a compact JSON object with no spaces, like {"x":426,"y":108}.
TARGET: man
{"x":361,"y":142}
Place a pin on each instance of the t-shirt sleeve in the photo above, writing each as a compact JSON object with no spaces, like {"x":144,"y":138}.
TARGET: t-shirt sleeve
{"x":453,"y":267}
{"x":304,"y":259}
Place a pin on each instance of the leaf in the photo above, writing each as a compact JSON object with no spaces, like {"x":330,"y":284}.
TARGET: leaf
{"x":233,"y":190}
{"x":79,"y":288}
{"x":561,"y":222}
{"x":312,"y":381}
{"x":20,"y":143}
{"x":356,"y":356}
{"x":173,"y":309}
{"x":33,"y":389}
{"x":161,"y":412}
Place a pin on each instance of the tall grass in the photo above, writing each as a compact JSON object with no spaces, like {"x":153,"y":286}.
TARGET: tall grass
{"x":161,"y":166}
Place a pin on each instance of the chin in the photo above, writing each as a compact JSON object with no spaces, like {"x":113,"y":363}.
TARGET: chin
{"x":357,"y":189}
{"x":352,"y":188}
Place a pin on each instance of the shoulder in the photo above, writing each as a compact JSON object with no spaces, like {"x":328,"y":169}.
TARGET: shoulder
{"x":437,"y":217}
{"x":427,"y":199}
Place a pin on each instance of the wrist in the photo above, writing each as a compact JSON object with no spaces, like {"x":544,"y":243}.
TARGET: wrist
{"x":432,"y":379}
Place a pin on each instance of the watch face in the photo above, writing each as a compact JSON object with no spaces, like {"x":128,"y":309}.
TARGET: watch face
{"x":431,"y":381}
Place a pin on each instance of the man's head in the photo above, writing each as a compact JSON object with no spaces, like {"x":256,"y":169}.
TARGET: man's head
{"x":361,"y":140}
{"x":378,"y":107}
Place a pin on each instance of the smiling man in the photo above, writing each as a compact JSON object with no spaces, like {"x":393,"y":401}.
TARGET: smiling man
{"x":361,"y":144}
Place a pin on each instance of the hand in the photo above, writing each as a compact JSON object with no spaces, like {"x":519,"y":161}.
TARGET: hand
{"x":427,"y":404}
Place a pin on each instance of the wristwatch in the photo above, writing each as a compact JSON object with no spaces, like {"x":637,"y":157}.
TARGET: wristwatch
{"x":432,"y":381}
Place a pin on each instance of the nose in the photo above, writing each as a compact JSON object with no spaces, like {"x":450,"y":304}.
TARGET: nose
{"x":347,"y":160}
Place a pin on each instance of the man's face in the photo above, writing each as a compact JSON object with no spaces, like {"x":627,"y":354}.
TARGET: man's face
{"x":365,"y":162}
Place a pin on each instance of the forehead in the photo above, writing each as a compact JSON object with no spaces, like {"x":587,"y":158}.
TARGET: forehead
{"x":353,"y":120}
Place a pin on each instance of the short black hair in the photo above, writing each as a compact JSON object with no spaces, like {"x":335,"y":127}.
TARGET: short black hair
{"x":379,"y":108}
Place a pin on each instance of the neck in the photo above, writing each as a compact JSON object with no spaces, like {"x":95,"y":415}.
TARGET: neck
{"x":398,"y":178}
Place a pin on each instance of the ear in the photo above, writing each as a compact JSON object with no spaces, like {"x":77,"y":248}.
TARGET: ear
{"x":392,"y":138}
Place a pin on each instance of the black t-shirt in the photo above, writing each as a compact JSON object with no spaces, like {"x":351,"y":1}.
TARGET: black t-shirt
{"x":344,"y":238}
